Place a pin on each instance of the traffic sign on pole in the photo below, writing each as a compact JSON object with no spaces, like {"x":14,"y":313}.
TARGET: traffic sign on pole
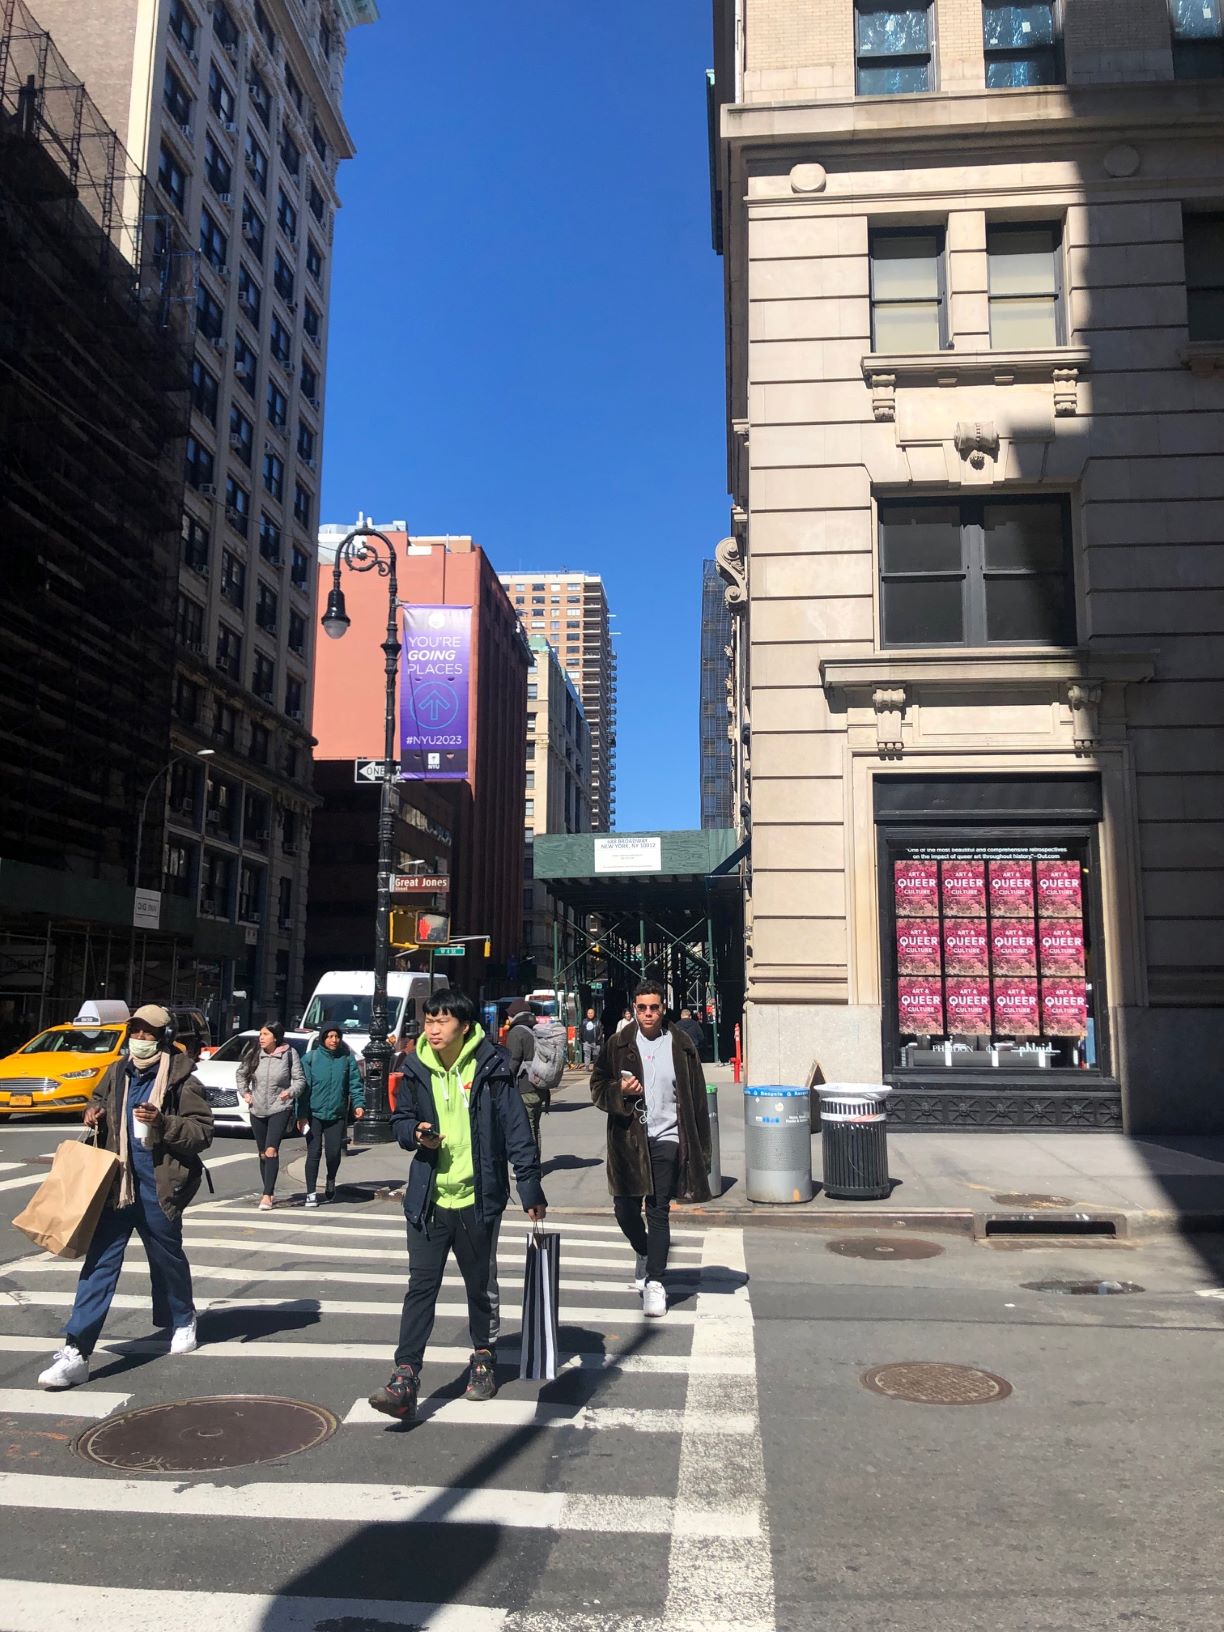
{"x":372,"y":770}
{"x":448,"y":951}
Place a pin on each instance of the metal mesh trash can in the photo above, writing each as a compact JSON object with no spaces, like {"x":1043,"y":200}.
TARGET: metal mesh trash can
{"x":778,"y":1144}
{"x":854,"y":1140}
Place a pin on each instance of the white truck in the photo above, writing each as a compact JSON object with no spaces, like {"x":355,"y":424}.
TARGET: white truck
{"x":343,"y":998}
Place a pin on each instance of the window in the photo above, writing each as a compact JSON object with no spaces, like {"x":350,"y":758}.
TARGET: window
{"x":299,"y":568}
{"x":306,"y":443}
{"x":269,"y":539}
{"x":312,"y":322}
{"x":274,"y":475}
{"x":281,"y":342}
{"x":256,"y":824}
{"x":1198,"y":39}
{"x":177,"y":98}
{"x":244,"y":365}
{"x":250,"y":296}
{"x":533,"y":690}
{"x":325,"y":38}
{"x":183,"y":26}
{"x":278,"y":406}
{"x":530,"y":780}
{"x":220,"y":96}
{"x":186,"y":700}
{"x":263,"y":679}
{"x":250,"y":892}
{"x":242,"y":435}
{"x":198,"y":462}
{"x":293,"y":697}
{"x":286,"y":215}
{"x":1025,"y":283}
{"x":204,"y":387}
{"x":310,"y":383}
{"x":297,"y":633}
{"x":257,"y":164}
{"x":261,"y":101}
{"x":215,"y":879}
{"x":529,"y":808}
{"x":253,"y":232}
{"x":284,"y":903}
{"x":976,"y":573}
{"x":1022,"y":45}
{"x":908,"y":297}
{"x":893,"y":54}
{"x":224,"y":27}
{"x":293,"y":88}
{"x":289,"y":832}
{"x":189,"y":624}
{"x":282,"y":277}
{"x":266,"y":32}
{"x":233,"y":579}
{"x":195,"y":543}
{"x":217,"y":168}
{"x":291,"y":155}
{"x":260,"y":742}
{"x":214,"y":245}
{"x":303,"y":504}
{"x":1204,"y":240}
{"x":266,"y":607}
{"x":237,"y":507}
{"x":229,"y":651}
{"x":172,"y":179}
{"x":319,"y":140}
{"x":315,"y":200}
{"x":314,"y":261}
{"x":179,"y":868}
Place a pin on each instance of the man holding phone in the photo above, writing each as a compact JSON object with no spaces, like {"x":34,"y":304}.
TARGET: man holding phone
{"x":458,"y":1108}
{"x":648,"y":1078}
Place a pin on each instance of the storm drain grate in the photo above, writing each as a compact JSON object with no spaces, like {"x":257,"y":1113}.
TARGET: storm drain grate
{"x":1082,"y":1289}
{"x":215,"y":1431}
{"x":936,"y":1382}
{"x":873,"y":1246}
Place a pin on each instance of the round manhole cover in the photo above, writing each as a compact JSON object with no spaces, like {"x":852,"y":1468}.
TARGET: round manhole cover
{"x":935,"y":1382}
{"x":1032,"y":1203}
{"x":1082,"y":1289}
{"x":196,"y":1436}
{"x":872,"y":1246}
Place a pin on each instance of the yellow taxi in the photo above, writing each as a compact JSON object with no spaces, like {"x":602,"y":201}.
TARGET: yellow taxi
{"x":59,"y":1069}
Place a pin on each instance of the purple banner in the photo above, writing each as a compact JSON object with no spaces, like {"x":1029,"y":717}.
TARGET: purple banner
{"x":435,"y":693}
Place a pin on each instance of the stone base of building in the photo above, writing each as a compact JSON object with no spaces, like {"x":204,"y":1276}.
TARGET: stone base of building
{"x":1171,"y":1066}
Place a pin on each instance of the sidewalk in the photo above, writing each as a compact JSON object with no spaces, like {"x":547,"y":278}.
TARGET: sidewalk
{"x":970,"y":1183}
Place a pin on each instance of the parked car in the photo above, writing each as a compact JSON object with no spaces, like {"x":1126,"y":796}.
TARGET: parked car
{"x":190,"y":1030}
{"x":58,"y":1070}
{"x":218,"y":1073}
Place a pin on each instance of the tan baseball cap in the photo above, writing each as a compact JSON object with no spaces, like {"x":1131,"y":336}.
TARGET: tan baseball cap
{"x":152,"y":1014}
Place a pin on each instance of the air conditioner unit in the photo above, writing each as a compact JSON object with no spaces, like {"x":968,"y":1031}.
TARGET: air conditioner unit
{"x":289,"y":849}
{"x":195,"y":646}
{"x":250,"y":164}
{"x":223,"y":272}
{"x":217,"y":342}
{"x":233,"y":516}
{"x":286,"y":923}
{"x":248,"y":232}
{"x":207,"y":490}
{"x":230,"y":47}
{"x":184,"y":807}
{"x":294,"y":714}
{"x":311,"y":464}
{"x":193,"y":57}
{"x":242,"y":371}
{"x":230,"y":128}
{"x":226,"y":199}
{"x":237,"y":444}
{"x":314,"y":402}
{"x":186,"y":130}
{"x":291,"y":307}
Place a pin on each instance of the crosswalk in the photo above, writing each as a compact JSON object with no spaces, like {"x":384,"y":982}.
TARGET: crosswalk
{"x":628,"y":1495}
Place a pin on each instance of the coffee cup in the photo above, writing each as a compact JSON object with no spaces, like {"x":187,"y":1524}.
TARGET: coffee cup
{"x":140,"y":1131}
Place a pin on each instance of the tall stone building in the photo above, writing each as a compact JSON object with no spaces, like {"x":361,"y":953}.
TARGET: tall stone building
{"x":234,"y":106}
{"x":714,"y":747}
{"x":975,"y":358}
{"x":558,"y":800}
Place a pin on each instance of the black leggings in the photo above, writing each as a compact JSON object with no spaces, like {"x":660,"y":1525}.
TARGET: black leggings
{"x":651,"y":1240}
{"x":324,"y":1137}
{"x":269,"y":1131}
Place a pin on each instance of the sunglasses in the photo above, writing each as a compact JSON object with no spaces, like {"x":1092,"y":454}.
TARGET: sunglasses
{"x":647,"y":1008}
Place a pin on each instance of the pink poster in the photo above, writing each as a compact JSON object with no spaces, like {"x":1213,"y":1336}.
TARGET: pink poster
{"x":968,"y":1005}
{"x":1062,"y":947}
{"x":1059,"y":893}
{"x":919,"y":1005}
{"x":964,"y":889}
{"x":1013,"y":946}
{"x":916,"y":884}
{"x":1011,"y":889}
{"x":1064,"y":1008}
{"x":1015,"y":1006}
{"x":918,"y":946}
{"x":966,"y":948}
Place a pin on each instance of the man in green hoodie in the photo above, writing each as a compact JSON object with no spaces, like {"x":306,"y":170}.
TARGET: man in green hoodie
{"x":459,"y":1110}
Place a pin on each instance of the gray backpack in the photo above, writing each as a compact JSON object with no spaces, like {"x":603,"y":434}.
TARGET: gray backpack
{"x":545,"y":1066}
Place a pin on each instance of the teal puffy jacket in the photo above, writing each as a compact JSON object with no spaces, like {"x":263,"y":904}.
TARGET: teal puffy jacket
{"x":333,"y":1082}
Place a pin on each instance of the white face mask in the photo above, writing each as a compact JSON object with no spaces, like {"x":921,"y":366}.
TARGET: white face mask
{"x":142,"y":1048}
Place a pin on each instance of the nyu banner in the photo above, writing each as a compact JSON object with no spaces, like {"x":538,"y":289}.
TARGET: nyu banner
{"x":435,"y":693}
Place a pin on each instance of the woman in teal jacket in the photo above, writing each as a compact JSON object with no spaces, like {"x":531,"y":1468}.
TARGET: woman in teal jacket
{"x":333,"y":1083}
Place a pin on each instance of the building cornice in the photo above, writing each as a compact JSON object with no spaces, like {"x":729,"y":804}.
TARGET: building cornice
{"x":1014,"y":666}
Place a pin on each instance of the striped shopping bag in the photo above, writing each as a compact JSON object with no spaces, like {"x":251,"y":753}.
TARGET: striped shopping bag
{"x":541,"y":1303}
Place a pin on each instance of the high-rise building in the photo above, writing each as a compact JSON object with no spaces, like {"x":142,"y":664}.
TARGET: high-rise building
{"x":973,"y":261}
{"x":717,"y":793}
{"x":570,"y":611}
{"x":234,"y":106}
{"x":558,"y":798}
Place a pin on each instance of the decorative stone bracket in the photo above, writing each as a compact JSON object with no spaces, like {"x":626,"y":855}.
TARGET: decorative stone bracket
{"x":889,"y":704}
{"x":1084,"y":701}
{"x":975,"y":439}
{"x":730,"y":559}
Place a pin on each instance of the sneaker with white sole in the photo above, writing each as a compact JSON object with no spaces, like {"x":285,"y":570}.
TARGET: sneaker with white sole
{"x":68,"y":1368}
{"x":183,"y":1339}
{"x":639,"y":1272}
{"x":654,"y":1299}
{"x":312,"y":1200}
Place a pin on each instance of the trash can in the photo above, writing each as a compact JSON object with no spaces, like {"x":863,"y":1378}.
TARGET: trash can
{"x":715,"y":1143}
{"x":854,"y":1140}
{"x":778,"y":1144}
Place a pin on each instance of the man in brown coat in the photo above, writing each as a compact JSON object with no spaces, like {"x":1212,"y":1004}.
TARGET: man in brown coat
{"x":649,"y":1080}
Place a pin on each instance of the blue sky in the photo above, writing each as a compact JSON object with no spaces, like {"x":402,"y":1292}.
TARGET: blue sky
{"x":526,"y":322}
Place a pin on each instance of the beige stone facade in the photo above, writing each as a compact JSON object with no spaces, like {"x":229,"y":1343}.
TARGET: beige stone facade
{"x":1115,"y":421}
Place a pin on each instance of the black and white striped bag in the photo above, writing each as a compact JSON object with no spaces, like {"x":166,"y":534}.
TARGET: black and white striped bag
{"x":541,"y":1304}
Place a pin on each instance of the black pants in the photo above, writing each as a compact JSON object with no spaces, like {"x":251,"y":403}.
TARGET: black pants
{"x":456,"y":1229}
{"x":653,"y":1238}
{"x":533,"y":1104}
{"x":269,"y":1131}
{"x":324,"y":1136}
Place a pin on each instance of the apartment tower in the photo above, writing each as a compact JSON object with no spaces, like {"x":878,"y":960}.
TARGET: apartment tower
{"x":558,"y":799}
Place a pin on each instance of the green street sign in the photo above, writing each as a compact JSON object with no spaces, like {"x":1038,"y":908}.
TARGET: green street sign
{"x":597,"y":985}
{"x":448,"y":951}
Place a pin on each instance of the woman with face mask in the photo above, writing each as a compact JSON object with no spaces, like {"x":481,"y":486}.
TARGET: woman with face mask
{"x":270,"y":1080}
{"x":333,"y":1084}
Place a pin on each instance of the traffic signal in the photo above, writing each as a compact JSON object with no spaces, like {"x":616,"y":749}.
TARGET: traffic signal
{"x":488,"y":948}
{"x":403,"y":929}
{"x":432,"y":928}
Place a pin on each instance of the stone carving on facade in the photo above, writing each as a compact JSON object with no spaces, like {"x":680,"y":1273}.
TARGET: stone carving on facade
{"x":883,"y":396}
{"x":889,"y":704}
{"x":1066,"y":393}
{"x":1084,"y":701}
{"x":975,"y":440}
{"x":731,"y":561}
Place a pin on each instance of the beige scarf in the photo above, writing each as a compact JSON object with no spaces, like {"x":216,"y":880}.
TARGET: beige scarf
{"x":127,"y":1185}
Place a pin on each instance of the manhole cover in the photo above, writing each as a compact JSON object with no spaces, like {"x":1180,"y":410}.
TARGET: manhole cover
{"x":1033,"y":1202}
{"x":1082,"y":1289}
{"x":195,"y":1436}
{"x":935,"y":1382}
{"x":871,"y":1246}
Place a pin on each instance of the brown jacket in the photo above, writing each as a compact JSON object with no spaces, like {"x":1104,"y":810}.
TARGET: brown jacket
{"x":186,"y":1130}
{"x":628,"y":1155}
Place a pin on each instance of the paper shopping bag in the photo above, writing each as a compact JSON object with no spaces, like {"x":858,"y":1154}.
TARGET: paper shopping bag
{"x":541,"y":1300}
{"x":65,"y":1209}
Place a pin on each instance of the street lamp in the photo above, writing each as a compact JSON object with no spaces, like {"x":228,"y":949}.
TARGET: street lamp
{"x":358,"y":554}
{"x":179,"y":753}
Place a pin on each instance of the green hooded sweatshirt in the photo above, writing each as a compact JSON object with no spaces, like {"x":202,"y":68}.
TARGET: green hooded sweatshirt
{"x":455,"y":1180}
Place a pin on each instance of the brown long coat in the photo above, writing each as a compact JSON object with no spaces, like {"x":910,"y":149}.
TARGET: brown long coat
{"x":628,"y":1154}
{"x":186,"y":1130}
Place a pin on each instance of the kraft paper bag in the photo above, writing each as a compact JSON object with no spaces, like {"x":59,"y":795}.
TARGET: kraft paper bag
{"x":65,"y":1209}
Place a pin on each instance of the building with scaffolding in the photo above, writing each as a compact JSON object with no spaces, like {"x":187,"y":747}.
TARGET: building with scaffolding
{"x":96,"y":298}
{"x":717,"y":793}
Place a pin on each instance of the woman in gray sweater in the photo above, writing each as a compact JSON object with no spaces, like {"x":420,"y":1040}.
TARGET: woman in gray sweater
{"x":270,"y":1080}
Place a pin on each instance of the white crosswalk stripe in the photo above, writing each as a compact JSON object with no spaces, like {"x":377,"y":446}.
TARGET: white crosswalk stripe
{"x":37,"y":1402}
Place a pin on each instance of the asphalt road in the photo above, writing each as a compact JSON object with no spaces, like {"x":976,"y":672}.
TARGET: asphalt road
{"x":725,"y":1468}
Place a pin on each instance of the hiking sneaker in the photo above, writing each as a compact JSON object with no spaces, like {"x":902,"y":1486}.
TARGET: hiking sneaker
{"x":398,"y":1395}
{"x":654,"y":1299}
{"x":183,"y":1339}
{"x":312,"y":1200}
{"x":68,"y":1368}
{"x":639,"y":1272}
{"x":482,"y":1385}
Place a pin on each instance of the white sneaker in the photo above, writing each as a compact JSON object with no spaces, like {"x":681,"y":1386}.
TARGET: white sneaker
{"x":654,"y":1299}
{"x":68,"y":1368}
{"x":312,"y":1200}
{"x":183,"y":1339}
{"x":639,"y":1272}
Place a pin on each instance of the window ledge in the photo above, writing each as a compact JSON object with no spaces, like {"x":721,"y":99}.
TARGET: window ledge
{"x":1012,"y":666}
{"x":1059,"y":366}
{"x":1203,"y":357}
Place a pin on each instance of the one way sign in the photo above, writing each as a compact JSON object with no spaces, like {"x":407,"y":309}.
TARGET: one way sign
{"x":372,"y":770}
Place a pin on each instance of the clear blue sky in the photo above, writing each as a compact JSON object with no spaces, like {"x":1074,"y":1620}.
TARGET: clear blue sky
{"x":526,"y":321}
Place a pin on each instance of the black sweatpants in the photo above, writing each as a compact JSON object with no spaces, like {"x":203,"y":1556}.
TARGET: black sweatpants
{"x":456,"y":1229}
{"x":653,"y":1238}
{"x":269,"y":1131}
{"x":324,"y":1137}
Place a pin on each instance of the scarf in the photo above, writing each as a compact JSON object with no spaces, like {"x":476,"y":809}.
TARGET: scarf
{"x":127,"y":1184}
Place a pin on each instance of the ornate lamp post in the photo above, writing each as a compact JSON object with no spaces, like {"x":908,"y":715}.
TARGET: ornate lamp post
{"x":359,"y":554}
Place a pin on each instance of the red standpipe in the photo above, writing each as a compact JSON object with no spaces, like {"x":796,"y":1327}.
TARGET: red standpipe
{"x":737,"y":1058}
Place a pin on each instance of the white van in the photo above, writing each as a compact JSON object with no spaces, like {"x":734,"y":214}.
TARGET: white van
{"x":343,"y":998}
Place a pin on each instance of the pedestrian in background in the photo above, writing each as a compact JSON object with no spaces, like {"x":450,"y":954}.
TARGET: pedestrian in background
{"x":270,"y":1080}
{"x":692,"y":1028}
{"x":626,"y":1019}
{"x":649,"y":1081}
{"x":333,"y":1087}
{"x":151,"y":1110}
{"x":520,"y":1047}
{"x":460,"y":1112}
{"x":592,"y":1036}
